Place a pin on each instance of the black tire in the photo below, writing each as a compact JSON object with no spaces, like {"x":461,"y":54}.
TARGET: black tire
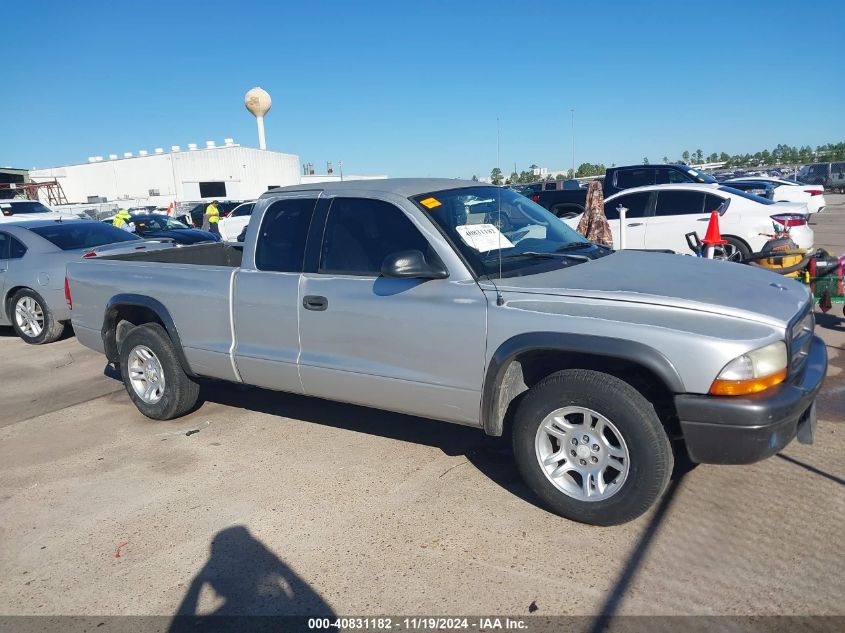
{"x":180,"y":391}
{"x":650,"y":463}
{"x":740,"y":247}
{"x":51,"y":329}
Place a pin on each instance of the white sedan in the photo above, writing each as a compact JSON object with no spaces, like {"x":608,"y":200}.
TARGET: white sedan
{"x":789,"y":191}
{"x":659,"y":217}
{"x":232,"y":225}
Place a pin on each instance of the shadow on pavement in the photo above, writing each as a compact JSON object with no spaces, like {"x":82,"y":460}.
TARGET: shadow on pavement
{"x":812,"y":469}
{"x":611,"y":605}
{"x":830,"y":321}
{"x":492,"y":456}
{"x":257,"y":589}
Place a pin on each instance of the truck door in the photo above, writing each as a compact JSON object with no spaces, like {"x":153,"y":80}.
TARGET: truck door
{"x":409,"y":345}
{"x":266,"y":299}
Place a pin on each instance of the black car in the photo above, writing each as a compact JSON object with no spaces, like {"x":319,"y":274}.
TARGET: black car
{"x":152,"y":225}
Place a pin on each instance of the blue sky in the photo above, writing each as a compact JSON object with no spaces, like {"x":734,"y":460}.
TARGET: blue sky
{"x":414,"y":88}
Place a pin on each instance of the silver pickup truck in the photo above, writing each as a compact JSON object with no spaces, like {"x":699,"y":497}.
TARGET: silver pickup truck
{"x":468,"y":303}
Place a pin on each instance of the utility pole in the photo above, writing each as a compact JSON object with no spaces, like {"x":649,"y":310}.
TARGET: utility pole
{"x":498,"y":166}
{"x":572,"y":112}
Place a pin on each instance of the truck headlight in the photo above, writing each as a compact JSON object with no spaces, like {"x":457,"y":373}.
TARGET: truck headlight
{"x":752,"y":372}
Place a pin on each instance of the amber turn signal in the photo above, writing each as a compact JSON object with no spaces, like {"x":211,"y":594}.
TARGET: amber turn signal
{"x":743,"y":387}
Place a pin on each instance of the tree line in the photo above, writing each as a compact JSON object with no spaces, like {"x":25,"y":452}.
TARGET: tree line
{"x":781,"y":155}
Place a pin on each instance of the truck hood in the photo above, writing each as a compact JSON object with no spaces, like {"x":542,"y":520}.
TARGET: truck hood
{"x":677,"y":281}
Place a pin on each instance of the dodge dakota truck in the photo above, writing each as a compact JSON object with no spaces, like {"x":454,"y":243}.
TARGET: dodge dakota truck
{"x":471,"y":304}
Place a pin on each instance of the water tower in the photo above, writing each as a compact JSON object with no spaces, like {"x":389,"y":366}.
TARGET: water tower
{"x":258,"y":102}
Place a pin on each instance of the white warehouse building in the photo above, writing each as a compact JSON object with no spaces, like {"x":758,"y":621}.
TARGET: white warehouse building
{"x":227,"y":171}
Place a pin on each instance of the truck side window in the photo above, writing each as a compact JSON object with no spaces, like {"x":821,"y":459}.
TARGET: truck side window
{"x":679,"y":203}
{"x":281,"y":240}
{"x":361,"y":232}
{"x":636,"y":203}
{"x":628,"y":178}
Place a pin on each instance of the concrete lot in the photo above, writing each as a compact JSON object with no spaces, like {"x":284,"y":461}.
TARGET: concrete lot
{"x":287,"y":504}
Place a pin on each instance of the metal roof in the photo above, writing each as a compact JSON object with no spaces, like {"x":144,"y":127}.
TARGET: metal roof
{"x":405,"y":187}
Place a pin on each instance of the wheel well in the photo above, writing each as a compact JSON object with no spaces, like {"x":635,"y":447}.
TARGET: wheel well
{"x":527,"y":369}
{"x":739,"y":239}
{"x":7,"y":301}
{"x":564,"y":206}
{"x":120,"y":320}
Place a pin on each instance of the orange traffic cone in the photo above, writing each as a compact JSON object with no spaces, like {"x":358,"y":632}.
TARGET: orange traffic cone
{"x":713,"y":237}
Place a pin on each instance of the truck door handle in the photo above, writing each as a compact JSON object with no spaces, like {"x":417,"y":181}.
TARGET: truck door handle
{"x":703,"y":220}
{"x":635,"y":224}
{"x":315,"y":302}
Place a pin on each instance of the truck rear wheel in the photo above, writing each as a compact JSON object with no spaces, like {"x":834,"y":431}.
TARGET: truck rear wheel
{"x":153,"y":375}
{"x":591,"y":447}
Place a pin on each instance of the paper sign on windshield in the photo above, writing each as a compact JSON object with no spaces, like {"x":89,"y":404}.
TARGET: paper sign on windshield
{"x":483,"y":237}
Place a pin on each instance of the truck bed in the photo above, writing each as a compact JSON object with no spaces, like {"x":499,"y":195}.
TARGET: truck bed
{"x":193,"y":284}
{"x":217,"y":254}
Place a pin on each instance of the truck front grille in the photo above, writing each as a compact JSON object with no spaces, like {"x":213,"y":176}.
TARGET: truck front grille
{"x":800,"y":339}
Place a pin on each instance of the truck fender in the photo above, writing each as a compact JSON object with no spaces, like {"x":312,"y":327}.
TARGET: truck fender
{"x":502,"y":384}
{"x":128,"y":300}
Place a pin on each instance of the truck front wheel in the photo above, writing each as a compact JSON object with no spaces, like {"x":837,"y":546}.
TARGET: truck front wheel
{"x":591,"y":447}
{"x":153,"y":375}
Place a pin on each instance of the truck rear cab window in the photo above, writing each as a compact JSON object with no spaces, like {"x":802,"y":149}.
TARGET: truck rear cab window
{"x":636,"y":203}
{"x":628,"y":178}
{"x":667,"y":176}
{"x":281,"y":239}
{"x":679,"y":203}
{"x":360,"y":233}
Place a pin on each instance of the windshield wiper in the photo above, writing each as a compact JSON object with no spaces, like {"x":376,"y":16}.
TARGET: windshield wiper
{"x":573,"y":245}
{"x":554,"y":255}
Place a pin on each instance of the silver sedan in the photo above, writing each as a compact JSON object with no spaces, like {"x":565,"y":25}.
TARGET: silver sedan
{"x":33,"y":255}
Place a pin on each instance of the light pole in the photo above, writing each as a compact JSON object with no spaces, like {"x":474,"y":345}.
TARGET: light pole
{"x":572,"y":112}
{"x":498,"y":166}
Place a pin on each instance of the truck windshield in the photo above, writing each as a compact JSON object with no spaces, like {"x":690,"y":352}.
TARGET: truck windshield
{"x":78,"y":234}
{"x":486,"y":222}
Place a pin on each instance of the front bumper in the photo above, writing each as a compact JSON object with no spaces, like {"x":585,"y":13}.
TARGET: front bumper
{"x":742,"y":430}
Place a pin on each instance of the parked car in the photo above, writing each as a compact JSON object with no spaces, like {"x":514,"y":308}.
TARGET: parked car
{"x":401,"y":295}
{"x":568,"y":203}
{"x":23,"y":210}
{"x":232,"y":225}
{"x":33,"y":255}
{"x":154,"y":225}
{"x":829,"y":175}
{"x":659,"y":216}
{"x":780,"y":189}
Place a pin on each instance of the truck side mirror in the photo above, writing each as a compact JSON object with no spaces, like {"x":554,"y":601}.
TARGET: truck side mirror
{"x":412,"y":265}
{"x":723,"y":207}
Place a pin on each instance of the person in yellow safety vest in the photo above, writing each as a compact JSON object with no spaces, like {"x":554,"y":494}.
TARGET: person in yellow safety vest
{"x":123,"y":220}
{"x":211,"y":218}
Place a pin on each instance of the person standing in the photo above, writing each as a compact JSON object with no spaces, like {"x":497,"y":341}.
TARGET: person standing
{"x":211,"y":218}
{"x":123,"y":220}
